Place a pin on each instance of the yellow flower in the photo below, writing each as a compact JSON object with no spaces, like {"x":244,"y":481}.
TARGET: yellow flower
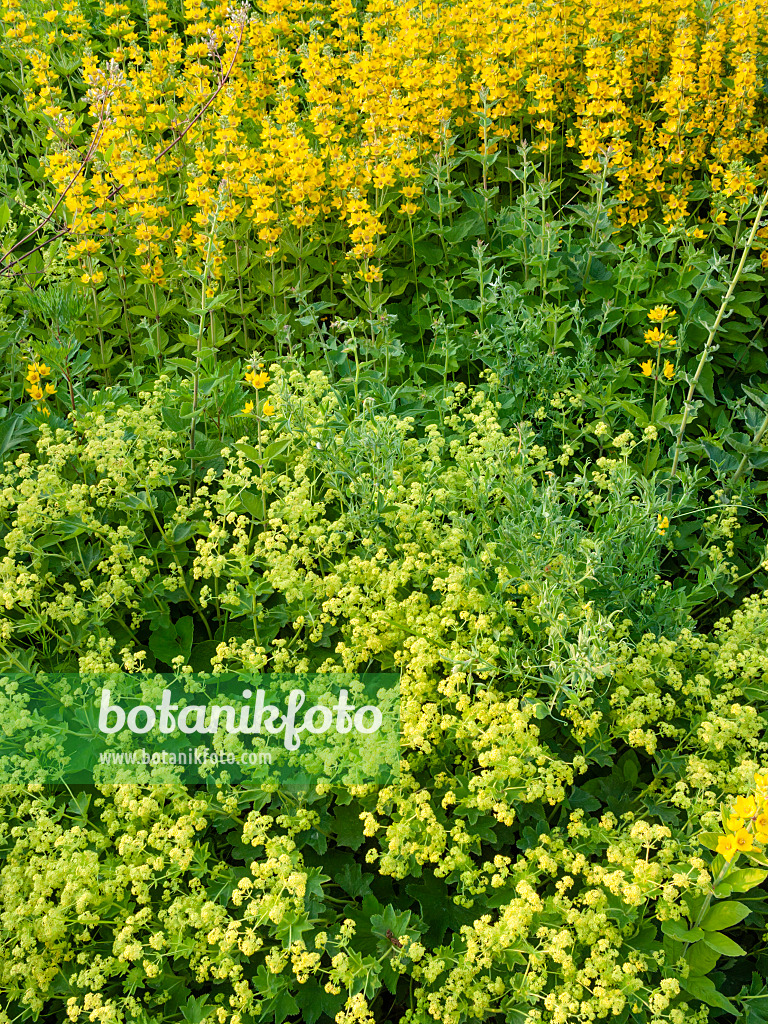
{"x":37,"y":370}
{"x":720,"y":218}
{"x":268,"y":409}
{"x":248,"y":408}
{"x":669,"y":369}
{"x":733,"y":823}
{"x":660,"y":313}
{"x":743,"y":840}
{"x":35,"y":392}
{"x":745,"y":806}
{"x":663,"y":524}
{"x":761,"y":825}
{"x":647,"y":367}
{"x":655,"y":336}
{"x":50,"y":389}
{"x":726,"y":847}
{"x":257,"y":380}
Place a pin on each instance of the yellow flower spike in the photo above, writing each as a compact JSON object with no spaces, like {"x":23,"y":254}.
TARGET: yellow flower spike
{"x":727,"y":848}
{"x":268,"y":409}
{"x":745,"y":806}
{"x":647,"y":367}
{"x":744,"y":840}
{"x":663,"y":524}
{"x":669,"y":369}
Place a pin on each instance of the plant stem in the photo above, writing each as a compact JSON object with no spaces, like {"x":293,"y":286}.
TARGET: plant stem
{"x":713,"y":331}
{"x":745,"y":459}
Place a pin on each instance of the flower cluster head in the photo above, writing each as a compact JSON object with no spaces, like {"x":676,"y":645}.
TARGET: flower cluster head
{"x":746,"y":823}
{"x":35,"y":388}
{"x":663,"y":524}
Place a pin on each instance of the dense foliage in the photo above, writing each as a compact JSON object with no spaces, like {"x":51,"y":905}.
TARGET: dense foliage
{"x":416,"y":338}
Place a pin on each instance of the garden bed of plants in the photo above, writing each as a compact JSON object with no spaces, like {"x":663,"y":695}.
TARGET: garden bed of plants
{"x":374,"y":336}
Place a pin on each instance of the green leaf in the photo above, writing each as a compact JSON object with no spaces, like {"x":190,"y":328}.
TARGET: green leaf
{"x":5,"y":215}
{"x":314,"y":1001}
{"x":704,"y":989}
{"x":276,"y":448}
{"x":709,"y":840}
{"x":707,"y":383}
{"x":14,"y":433}
{"x":701,"y":958}
{"x":724,"y":915}
{"x":353,"y":881}
{"x":249,"y":451}
{"x":722,"y":944}
{"x":253,"y":504}
{"x":291,"y":928}
{"x":680,"y":931}
{"x":284,"y":1006}
{"x":174,"y":420}
{"x":746,"y":878}
{"x":389,"y":921}
{"x":183,"y":531}
{"x":169,"y":640}
{"x":194,"y":1009}
{"x":349,"y":827}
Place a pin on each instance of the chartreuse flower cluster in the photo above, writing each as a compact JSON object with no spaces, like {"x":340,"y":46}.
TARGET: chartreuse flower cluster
{"x":541,"y":845}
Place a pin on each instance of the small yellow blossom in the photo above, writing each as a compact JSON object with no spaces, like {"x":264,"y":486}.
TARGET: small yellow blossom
{"x":726,"y":847}
{"x":669,"y":369}
{"x":660,"y":313}
{"x":257,"y":380}
{"x":268,"y":409}
{"x":743,"y":840}
{"x":663,"y":524}
{"x":647,"y":367}
{"x":655,"y":336}
{"x":745,"y":806}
